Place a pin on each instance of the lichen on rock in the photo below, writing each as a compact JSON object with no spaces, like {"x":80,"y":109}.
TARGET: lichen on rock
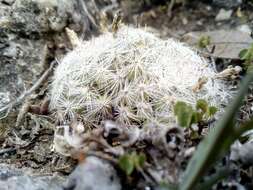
{"x":40,"y":16}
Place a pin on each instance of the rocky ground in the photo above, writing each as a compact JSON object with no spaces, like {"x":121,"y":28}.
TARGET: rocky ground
{"x":32,"y":36}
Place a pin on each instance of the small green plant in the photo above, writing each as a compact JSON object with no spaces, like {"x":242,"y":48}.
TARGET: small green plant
{"x":217,"y":142}
{"x":247,"y":56}
{"x":205,"y":111}
{"x":204,"y":41}
{"x":131,"y":161}
{"x":186,"y":115}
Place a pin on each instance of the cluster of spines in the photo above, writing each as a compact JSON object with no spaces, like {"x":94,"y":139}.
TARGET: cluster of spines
{"x":128,"y":80}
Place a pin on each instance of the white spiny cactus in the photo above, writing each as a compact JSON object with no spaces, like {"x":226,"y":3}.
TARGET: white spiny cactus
{"x":132,"y":77}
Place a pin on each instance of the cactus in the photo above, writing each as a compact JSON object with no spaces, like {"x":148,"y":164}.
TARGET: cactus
{"x":132,"y":77}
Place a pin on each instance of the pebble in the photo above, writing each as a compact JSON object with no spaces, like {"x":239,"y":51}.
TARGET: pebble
{"x":223,"y":15}
{"x":4,"y":98}
{"x":12,"y":178}
{"x":93,"y":174}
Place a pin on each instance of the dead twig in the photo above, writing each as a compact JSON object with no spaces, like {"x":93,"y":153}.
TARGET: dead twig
{"x":73,"y":38}
{"x":148,"y":178}
{"x":8,"y":150}
{"x":85,"y":10}
{"x":229,"y":73}
{"x":21,"y":98}
{"x":102,"y":156}
{"x":24,"y":109}
{"x":201,"y":82}
{"x":116,"y":23}
{"x":171,"y":5}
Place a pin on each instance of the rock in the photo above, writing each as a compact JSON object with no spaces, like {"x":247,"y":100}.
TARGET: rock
{"x":4,"y":98}
{"x":228,"y":4}
{"x":242,"y":152}
{"x":26,"y":26}
{"x":21,"y":57}
{"x":244,"y":28}
{"x":223,"y":15}
{"x":15,"y":179}
{"x":4,"y":11}
{"x":21,"y":43}
{"x":20,"y":62}
{"x":93,"y":174}
{"x":40,"y":16}
{"x":228,"y":44}
{"x":11,"y":51}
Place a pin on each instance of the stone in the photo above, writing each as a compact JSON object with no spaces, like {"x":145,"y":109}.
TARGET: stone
{"x":40,"y":16}
{"x":4,"y":98}
{"x":93,"y":174}
{"x":242,"y":153}
{"x":223,"y":15}
{"x":228,"y":43}
{"x":20,"y":62}
{"x":244,"y":28}
{"x":14,"y":179}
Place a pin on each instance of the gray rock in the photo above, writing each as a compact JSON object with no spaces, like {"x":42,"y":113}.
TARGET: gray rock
{"x":20,"y":61}
{"x":244,"y":28}
{"x":20,"y":58}
{"x":4,"y":11}
{"x":223,"y":15}
{"x":242,"y":152}
{"x":15,"y":179}
{"x":4,"y":98}
{"x":93,"y":174}
{"x":40,"y":16}
{"x":26,"y":26}
{"x":228,"y":43}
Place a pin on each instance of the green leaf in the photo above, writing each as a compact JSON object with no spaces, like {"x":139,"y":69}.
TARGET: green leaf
{"x":202,"y":105}
{"x":194,"y":135}
{"x":140,"y":160}
{"x":204,"y":41}
{"x":250,"y":68}
{"x":184,"y":114}
{"x":195,"y":117}
{"x":217,"y":141}
{"x":211,"y":111}
{"x":129,"y":162}
{"x":247,"y":54}
{"x":179,"y":106}
{"x":243,"y":54}
{"x":126,"y":163}
{"x":167,"y":186}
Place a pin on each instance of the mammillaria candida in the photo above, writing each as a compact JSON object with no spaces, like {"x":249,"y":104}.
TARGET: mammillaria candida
{"x":131,"y":77}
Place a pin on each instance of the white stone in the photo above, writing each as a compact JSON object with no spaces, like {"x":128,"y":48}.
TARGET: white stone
{"x":94,"y":174}
{"x":223,"y":15}
{"x":244,"y":28}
